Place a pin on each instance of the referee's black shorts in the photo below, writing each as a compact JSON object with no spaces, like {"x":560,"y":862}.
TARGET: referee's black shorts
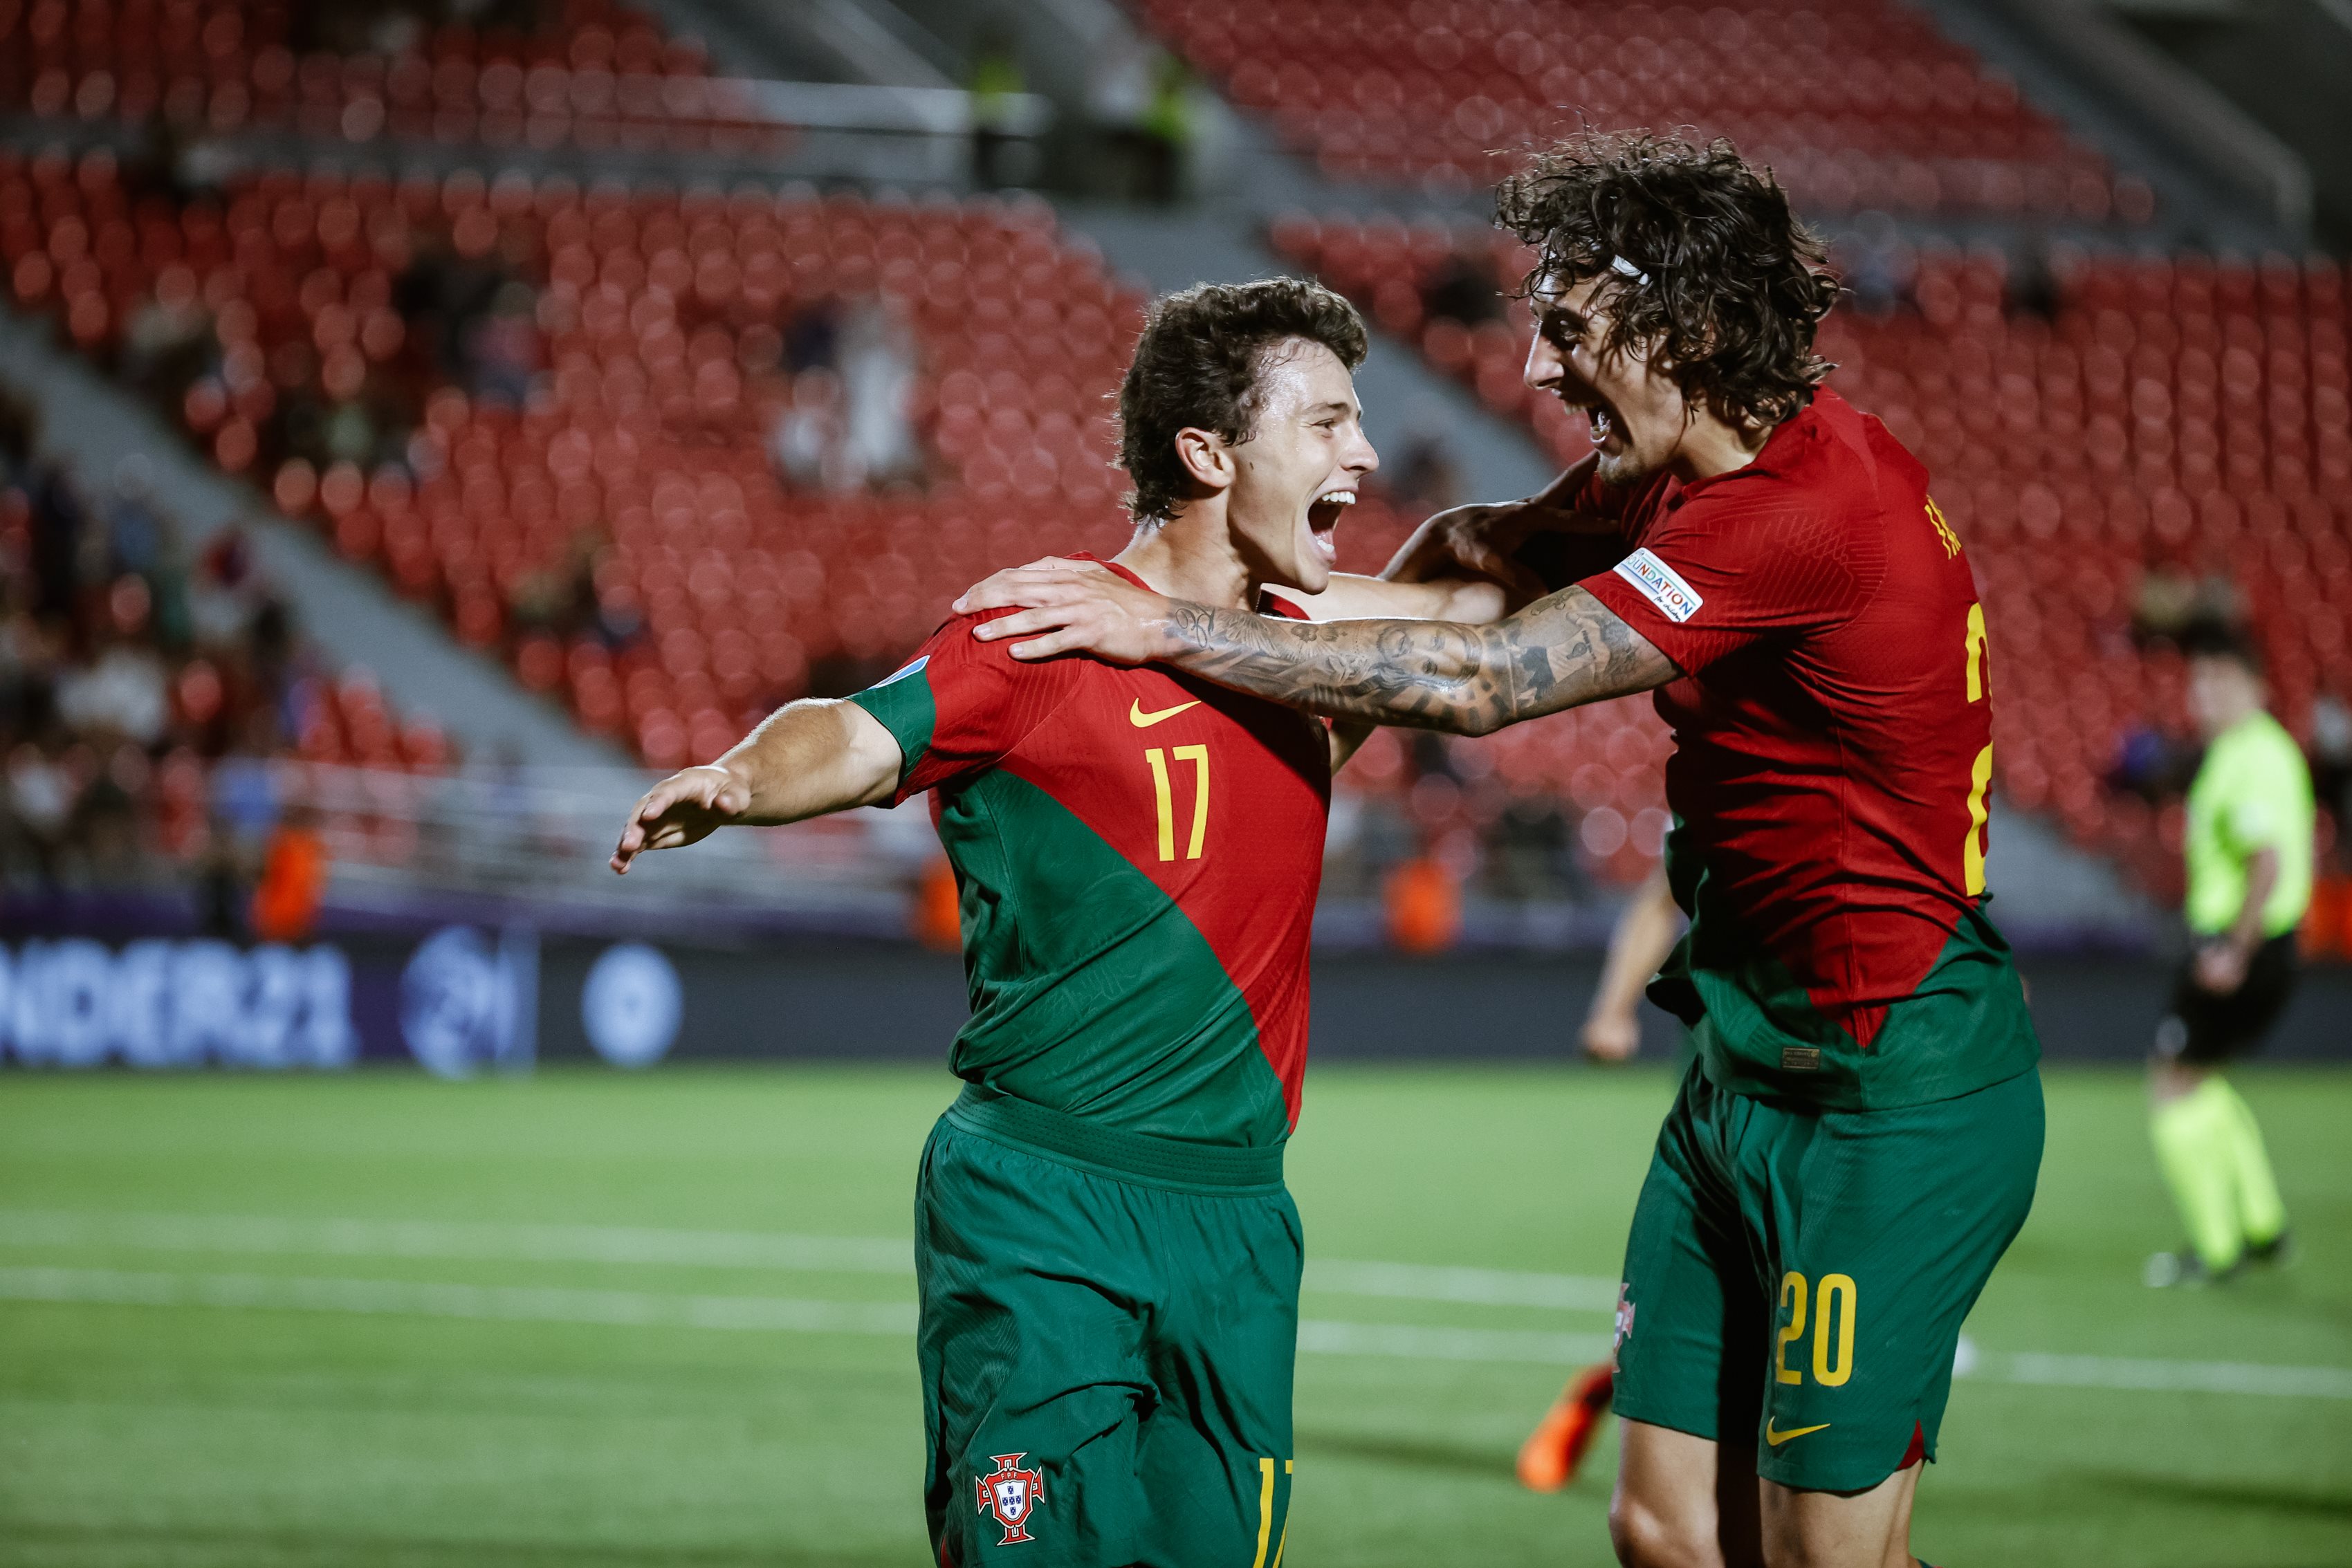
{"x":2200,"y":1026}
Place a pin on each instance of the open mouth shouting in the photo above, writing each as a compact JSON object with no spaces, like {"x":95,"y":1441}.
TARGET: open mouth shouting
{"x":1607,"y":434}
{"x":1323,"y":514}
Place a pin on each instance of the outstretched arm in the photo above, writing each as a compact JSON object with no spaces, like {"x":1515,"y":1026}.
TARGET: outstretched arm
{"x":1565,"y":649}
{"x":806,"y":758}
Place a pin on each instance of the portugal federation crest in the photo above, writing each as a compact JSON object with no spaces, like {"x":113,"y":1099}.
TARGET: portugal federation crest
{"x":1010,"y":1494}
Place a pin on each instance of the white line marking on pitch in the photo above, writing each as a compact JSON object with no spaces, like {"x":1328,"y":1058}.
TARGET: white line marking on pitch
{"x":702,"y":1250}
{"x":643,"y":1309}
{"x":510,"y":1303}
{"x":438,"y":1238}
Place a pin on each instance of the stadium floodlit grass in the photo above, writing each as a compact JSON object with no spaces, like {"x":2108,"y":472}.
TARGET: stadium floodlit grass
{"x":550,"y":1359}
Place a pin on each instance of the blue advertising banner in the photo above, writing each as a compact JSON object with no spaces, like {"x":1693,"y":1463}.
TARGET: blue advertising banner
{"x":463,"y":1001}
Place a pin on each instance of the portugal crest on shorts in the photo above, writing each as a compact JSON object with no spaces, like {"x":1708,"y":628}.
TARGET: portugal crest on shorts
{"x":1010,"y":1494}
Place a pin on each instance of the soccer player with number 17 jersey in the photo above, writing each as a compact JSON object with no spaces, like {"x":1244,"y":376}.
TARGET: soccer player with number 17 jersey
{"x":1858,"y":1139}
{"x":1107,"y":1259}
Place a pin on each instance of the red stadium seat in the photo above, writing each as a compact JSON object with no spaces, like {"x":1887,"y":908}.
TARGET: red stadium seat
{"x":1893,"y":114}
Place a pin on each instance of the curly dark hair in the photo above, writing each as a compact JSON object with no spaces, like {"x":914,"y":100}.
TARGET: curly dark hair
{"x":1197,"y":366}
{"x":1737,"y":285}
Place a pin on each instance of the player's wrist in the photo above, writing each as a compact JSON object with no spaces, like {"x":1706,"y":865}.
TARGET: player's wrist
{"x":1173,"y":628}
{"x":738,"y":786}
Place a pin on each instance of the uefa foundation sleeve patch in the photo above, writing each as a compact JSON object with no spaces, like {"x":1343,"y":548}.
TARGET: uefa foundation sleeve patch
{"x":1661,"y":585}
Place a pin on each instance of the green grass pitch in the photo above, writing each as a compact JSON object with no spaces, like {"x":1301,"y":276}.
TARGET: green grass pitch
{"x":560,"y":1325}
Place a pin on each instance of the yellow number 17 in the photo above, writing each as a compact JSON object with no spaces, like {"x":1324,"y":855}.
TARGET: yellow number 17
{"x":1198,"y":755}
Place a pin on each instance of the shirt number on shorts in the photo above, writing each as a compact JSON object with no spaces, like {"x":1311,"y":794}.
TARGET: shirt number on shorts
{"x":1836,"y":1305}
{"x":1972,"y":858}
{"x":1265,"y":1493}
{"x":1165,"y":799}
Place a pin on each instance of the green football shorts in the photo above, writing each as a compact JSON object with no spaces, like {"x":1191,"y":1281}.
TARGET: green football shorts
{"x":1803,"y":1275}
{"x":1107,"y":1329}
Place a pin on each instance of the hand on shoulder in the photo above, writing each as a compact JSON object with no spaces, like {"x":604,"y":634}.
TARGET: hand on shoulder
{"x":1066,"y":606}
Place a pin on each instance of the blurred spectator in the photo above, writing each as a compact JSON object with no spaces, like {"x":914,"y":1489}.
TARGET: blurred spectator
{"x":40,"y":799}
{"x":502,"y":350}
{"x":1140,"y":98}
{"x":121,"y":695}
{"x":441,"y":297}
{"x":2032,"y":285}
{"x":846,"y":420}
{"x":877,"y":384}
{"x":169,"y":341}
{"x":807,"y":430}
{"x":938,"y":914}
{"x":2152,"y":766}
{"x":2170,"y":605}
{"x":1424,"y":904}
{"x":293,"y":879}
{"x":812,"y":338}
{"x":560,"y":598}
{"x":998,"y":157}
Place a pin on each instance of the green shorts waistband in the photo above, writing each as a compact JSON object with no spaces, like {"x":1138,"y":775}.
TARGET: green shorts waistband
{"x":1115,"y":1152}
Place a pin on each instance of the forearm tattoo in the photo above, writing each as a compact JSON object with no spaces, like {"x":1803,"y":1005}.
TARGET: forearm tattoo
{"x":1559,"y":651}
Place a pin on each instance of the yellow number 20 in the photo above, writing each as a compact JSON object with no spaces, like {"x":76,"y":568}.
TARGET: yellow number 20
{"x":1164,"y":798}
{"x":1972,"y":857}
{"x":1837,"y":1304}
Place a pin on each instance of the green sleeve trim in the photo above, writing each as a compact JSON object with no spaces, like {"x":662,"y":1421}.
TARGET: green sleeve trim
{"x":904,"y":706}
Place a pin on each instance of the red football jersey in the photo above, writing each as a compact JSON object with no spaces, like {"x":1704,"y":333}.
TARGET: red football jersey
{"x":1834,"y":730}
{"x":1138,"y":854}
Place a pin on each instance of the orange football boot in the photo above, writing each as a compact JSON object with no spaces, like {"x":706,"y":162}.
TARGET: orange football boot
{"x":1548,"y":1459}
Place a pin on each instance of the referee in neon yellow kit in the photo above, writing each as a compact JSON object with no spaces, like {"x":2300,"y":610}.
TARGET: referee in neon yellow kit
{"x":2250,"y":864}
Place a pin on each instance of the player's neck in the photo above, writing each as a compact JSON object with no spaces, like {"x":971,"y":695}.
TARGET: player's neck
{"x":2235,"y":710}
{"x":1192,"y":556}
{"x":1710,"y":447}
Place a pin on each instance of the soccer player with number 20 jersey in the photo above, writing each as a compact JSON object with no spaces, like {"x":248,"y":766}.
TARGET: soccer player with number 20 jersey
{"x":1858,"y":1139}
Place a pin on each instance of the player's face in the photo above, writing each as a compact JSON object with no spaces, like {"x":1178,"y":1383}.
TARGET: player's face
{"x":1296,"y":474}
{"x":1637,"y":411}
{"x":2220,"y":693}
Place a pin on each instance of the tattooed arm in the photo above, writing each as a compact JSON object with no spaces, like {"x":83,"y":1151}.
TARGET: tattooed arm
{"x":1564,"y":649}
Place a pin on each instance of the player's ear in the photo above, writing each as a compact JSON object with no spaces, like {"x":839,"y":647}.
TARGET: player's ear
{"x":1206,"y":458}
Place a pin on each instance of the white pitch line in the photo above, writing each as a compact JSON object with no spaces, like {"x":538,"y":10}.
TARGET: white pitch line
{"x":1406,"y":1341}
{"x":270,"y":1235}
{"x":1477,"y":1287}
{"x":2165,"y":1376}
{"x":257,"y":1234}
{"x":507,"y":1303}
{"x":781,"y":1314}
